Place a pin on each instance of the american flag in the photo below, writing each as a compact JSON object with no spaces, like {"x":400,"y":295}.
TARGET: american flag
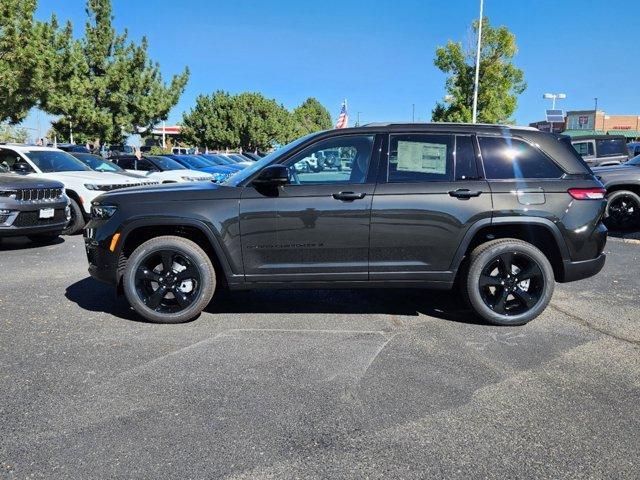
{"x":343,"y":118}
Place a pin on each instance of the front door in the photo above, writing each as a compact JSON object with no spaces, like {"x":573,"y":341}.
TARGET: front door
{"x":316,"y":228}
{"x":429,"y":194}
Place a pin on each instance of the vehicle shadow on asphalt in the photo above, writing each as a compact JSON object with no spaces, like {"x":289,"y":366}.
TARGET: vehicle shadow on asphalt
{"x":23,"y":243}
{"x":94,"y":296}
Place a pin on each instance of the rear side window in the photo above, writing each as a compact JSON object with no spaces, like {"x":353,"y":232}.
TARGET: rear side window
{"x":466,"y":167}
{"x":585,"y":149}
{"x":611,"y":147}
{"x":415,"y":158}
{"x":507,"y":158}
{"x":126,"y":163}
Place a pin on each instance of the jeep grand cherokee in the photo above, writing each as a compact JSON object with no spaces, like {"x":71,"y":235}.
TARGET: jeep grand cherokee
{"x":502,"y":212}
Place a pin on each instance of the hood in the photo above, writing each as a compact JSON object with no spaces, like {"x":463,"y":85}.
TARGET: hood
{"x":14,"y":181}
{"x":170,"y":192}
{"x":615,"y":169}
{"x":98,"y":178}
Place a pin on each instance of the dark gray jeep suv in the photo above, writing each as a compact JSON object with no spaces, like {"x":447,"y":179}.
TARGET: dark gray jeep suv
{"x":33,"y":207}
{"x":501,"y":212}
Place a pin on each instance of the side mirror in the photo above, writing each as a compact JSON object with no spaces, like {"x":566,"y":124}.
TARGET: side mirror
{"x":21,"y":167}
{"x":273,"y":175}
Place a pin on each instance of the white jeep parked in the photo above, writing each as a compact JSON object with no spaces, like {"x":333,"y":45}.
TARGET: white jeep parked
{"x":82,"y":184}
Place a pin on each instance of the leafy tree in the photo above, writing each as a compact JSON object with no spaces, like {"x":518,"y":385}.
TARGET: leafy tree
{"x":213,"y":122}
{"x":263,"y":122}
{"x":249,"y":121}
{"x":500,"y":81}
{"x":311,"y":116}
{"x":10,"y":133}
{"x":107,"y":86}
{"x":27,"y":55}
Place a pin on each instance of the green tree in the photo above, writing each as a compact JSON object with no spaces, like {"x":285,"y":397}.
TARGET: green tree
{"x":213,"y":122}
{"x":263,"y":121}
{"x":311,"y":116}
{"x":107,"y":86}
{"x":500,"y":81}
{"x":27,"y":54}
{"x":9,"y":133}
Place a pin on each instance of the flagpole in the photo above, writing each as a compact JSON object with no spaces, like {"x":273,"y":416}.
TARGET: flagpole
{"x":475,"y":83}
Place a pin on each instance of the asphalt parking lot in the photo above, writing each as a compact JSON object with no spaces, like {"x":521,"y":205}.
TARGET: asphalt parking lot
{"x":314,"y":384}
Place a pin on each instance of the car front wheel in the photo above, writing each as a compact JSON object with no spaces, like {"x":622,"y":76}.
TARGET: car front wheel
{"x":509,"y":282}
{"x":623,"y":210}
{"x":169,"y":279}
{"x":77,"y":219}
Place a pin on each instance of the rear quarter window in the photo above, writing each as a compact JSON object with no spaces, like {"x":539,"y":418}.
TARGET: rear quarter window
{"x":611,"y":147}
{"x":507,"y":158}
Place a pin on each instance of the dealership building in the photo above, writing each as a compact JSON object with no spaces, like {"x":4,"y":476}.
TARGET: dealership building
{"x":594,"y":122}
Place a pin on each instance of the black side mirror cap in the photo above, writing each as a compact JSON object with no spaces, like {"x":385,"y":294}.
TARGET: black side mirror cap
{"x":273,"y":175}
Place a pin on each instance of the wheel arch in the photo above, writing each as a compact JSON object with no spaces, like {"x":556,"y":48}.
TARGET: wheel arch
{"x":139,"y":231}
{"x":540,"y":232}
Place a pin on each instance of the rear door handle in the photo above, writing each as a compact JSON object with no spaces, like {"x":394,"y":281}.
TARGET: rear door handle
{"x":464,"y":193}
{"x":348,"y":196}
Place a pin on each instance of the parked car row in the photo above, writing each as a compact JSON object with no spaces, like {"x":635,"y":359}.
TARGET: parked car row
{"x":66,"y":180}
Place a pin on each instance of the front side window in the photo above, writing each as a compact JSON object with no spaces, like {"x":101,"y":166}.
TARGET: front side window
{"x":507,"y":158}
{"x":8,"y":158}
{"x":585,"y":149}
{"x":128,"y":163}
{"x":335,"y":160}
{"x":55,"y":161}
{"x":415,"y":158}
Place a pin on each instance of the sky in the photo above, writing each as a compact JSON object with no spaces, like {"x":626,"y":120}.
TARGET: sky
{"x":378,"y":54}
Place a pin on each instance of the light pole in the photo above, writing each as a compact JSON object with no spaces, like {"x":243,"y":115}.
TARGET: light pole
{"x":475,"y":83}
{"x":358,"y":119}
{"x":553,"y":97}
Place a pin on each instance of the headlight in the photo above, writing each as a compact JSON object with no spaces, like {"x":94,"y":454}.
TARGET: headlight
{"x":189,"y":179}
{"x":102,"y":211}
{"x":220,"y":177}
{"x":93,"y":186}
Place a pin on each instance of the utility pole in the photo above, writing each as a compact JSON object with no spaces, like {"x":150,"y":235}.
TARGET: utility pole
{"x":413,"y":113}
{"x":596,"y":107}
{"x":358,"y":119}
{"x":475,"y":83}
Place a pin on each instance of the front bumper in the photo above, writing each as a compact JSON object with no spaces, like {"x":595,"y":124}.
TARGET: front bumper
{"x":25,"y":220}
{"x":584,"y":269}
{"x":103,"y":264}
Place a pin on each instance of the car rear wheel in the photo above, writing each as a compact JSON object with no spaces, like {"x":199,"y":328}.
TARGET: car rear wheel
{"x":509,"y":282}
{"x":169,"y":279}
{"x":623,"y":210}
{"x":77,"y":219}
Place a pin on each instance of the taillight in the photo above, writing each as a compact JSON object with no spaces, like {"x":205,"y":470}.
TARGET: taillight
{"x":587,"y":193}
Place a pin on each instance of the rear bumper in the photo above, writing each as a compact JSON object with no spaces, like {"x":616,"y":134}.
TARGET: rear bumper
{"x":579,"y":270}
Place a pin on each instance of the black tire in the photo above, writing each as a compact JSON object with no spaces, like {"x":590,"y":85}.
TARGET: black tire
{"x":44,"y":239}
{"x":508,"y":282}
{"x":77,"y":219}
{"x":144,"y":285}
{"x":623,"y":210}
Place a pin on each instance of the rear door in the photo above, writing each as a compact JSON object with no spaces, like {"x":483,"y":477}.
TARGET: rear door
{"x":430,"y":192}
{"x":317,"y":227}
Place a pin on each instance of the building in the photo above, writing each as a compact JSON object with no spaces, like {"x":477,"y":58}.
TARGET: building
{"x":595,"y":122}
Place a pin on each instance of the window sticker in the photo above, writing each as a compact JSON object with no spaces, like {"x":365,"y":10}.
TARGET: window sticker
{"x":422,"y":157}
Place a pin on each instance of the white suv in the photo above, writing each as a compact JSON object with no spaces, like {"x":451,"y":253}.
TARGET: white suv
{"x":82,"y":184}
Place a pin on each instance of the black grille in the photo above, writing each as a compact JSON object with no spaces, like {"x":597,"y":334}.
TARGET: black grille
{"x":32,"y":219}
{"x":32,"y":194}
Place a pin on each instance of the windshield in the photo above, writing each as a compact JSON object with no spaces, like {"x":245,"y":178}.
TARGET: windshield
{"x":97,"y":163}
{"x":242,"y":175}
{"x":49,"y":161}
{"x":194,"y":162}
{"x":166,"y":163}
{"x":611,"y":147}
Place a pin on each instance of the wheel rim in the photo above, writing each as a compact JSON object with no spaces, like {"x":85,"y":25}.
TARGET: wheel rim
{"x":511,"y":284}
{"x":168,"y":281}
{"x":624,"y":210}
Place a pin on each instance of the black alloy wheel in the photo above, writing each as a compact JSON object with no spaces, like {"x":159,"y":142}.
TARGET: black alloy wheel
{"x":511,"y":284}
{"x":167,"y":281}
{"x":623,"y":210}
{"x":508,"y":281}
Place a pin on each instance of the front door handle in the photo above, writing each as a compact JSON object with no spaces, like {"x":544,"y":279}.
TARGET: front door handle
{"x":464,"y":193}
{"x":348,"y":196}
